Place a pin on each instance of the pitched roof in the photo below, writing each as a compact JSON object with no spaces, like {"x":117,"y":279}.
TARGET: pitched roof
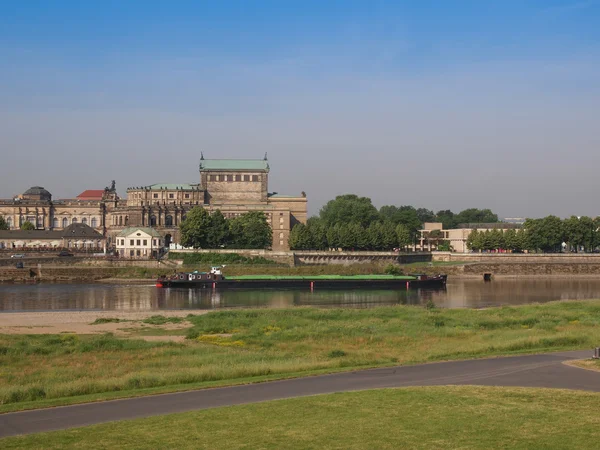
{"x":234,"y":164}
{"x":130,"y":230}
{"x":76,"y":230}
{"x":91,"y":194}
{"x":80,"y":230}
{"x":30,"y":234}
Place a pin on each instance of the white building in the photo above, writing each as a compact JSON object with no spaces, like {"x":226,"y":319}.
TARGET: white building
{"x":139,"y":243}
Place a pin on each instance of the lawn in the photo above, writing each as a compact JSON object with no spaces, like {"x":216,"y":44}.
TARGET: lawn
{"x":241,"y":346}
{"x":420,"y":418}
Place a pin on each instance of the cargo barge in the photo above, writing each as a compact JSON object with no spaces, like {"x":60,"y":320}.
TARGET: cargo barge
{"x":216,"y":280}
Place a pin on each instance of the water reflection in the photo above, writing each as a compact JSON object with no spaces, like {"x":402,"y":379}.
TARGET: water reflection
{"x":458,"y":294}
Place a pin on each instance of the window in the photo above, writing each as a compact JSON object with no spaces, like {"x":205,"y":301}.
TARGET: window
{"x":84,"y":220}
{"x":281,"y":220}
{"x":131,"y":241}
{"x":229,"y":178}
{"x":138,"y":253}
{"x":238,"y":178}
{"x":137,"y":242}
{"x":94,"y":222}
{"x":74,"y":220}
{"x":154,"y":242}
{"x":187,"y":195}
{"x":131,"y":253}
{"x":280,"y":235}
{"x":65,"y":222}
{"x":169,"y":221}
{"x":152,"y":221}
{"x":171,"y":196}
{"x":145,"y":242}
{"x":254,"y":177}
{"x":55,"y":223}
{"x":154,"y":195}
{"x":123,"y":242}
{"x":246,"y":177}
{"x":280,"y":242}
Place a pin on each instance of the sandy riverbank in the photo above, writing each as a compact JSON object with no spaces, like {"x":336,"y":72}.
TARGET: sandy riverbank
{"x":80,"y":322}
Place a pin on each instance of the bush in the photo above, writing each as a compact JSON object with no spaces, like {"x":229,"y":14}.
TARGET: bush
{"x":392,"y":269}
{"x":219,"y":258}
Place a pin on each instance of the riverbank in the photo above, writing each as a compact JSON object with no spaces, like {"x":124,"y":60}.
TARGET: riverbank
{"x":241,"y":346}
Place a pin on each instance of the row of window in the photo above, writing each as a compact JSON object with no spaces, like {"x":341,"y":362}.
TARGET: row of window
{"x":56,"y":222}
{"x":139,"y":242}
{"x":232,"y":178}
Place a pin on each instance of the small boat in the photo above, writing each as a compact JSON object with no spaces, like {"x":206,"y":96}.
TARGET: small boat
{"x":216,"y":280}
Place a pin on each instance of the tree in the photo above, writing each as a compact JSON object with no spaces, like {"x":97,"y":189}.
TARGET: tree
{"x":475,"y":240}
{"x":545,"y":234}
{"x":579,"y":232}
{"x":217,"y":234}
{"x":349,"y":208}
{"x":447,"y":218}
{"x":251,"y":230}
{"x":318,"y":233}
{"x":300,"y":238}
{"x":27,"y":226}
{"x":474,"y":215}
{"x":3,"y":224}
{"x":434,"y":237}
{"x":425,"y":215}
{"x":389,"y":236}
{"x":194,"y":229}
{"x":403,"y":236}
{"x":405,"y":215}
{"x":333,"y":237}
{"x":375,"y":236}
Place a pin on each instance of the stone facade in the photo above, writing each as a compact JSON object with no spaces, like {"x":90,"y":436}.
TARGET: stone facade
{"x":232,"y":186}
{"x":457,"y":237}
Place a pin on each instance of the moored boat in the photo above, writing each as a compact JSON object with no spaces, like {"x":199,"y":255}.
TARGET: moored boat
{"x":216,"y":280}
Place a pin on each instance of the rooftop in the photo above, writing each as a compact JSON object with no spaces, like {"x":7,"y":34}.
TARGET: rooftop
{"x":91,"y":194}
{"x":130,"y":230}
{"x":167,"y":187}
{"x":234,"y":164}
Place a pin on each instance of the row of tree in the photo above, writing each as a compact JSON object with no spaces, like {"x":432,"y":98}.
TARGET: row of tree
{"x":548,"y":234}
{"x":203,"y":230}
{"x":24,"y":226}
{"x":316,"y":235}
{"x":349,"y":208}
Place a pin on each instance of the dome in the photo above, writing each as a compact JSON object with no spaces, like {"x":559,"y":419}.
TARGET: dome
{"x":37,"y":193}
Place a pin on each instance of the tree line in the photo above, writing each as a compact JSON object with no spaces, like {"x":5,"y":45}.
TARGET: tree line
{"x":247,"y":231}
{"x":542,"y":235}
{"x":353,"y":222}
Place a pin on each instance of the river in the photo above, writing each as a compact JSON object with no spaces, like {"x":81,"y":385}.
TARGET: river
{"x":460,"y":293}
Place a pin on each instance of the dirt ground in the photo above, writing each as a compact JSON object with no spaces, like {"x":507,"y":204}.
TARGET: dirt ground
{"x":80,"y":322}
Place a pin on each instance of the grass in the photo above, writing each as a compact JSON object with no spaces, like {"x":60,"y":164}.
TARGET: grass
{"x":419,"y":418}
{"x":102,"y":320}
{"x":232,"y":346}
{"x":161,"y":320}
{"x":219,"y":258}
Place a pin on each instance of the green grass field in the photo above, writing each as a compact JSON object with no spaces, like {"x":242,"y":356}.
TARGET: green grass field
{"x":463,"y":417}
{"x":241,"y":346}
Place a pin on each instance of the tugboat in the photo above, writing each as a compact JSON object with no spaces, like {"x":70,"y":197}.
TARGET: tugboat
{"x":216,"y":280}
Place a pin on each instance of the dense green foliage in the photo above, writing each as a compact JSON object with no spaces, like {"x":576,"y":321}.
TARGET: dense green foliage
{"x":3,"y":224}
{"x":203,"y":230}
{"x":27,"y":226}
{"x":218,"y":258}
{"x":544,"y":235}
{"x":432,"y":417}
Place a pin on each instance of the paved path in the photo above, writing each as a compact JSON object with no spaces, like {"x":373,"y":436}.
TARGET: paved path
{"x":544,"y":370}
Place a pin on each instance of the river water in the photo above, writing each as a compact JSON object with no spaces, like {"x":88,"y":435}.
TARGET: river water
{"x":135,"y":297}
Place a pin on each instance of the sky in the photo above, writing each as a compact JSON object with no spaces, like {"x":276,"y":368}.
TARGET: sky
{"x":436,"y":104}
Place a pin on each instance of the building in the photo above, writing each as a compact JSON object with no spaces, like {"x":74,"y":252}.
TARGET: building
{"x":233,"y":186}
{"x":139,"y":243}
{"x":77,"y":236}
{"x":433,"y":234}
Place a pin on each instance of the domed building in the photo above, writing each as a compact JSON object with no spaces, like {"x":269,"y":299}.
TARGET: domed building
{"x":36,"y":193}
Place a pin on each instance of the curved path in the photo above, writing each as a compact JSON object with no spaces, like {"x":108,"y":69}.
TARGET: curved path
{"x":544,"y":370}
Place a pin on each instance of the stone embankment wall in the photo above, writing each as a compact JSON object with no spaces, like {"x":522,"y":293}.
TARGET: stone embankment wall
{"x":532,"y":269}
{"x":565,"y":258}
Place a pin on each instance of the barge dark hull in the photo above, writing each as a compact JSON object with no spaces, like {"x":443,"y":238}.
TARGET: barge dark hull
{"x":432,"y":283}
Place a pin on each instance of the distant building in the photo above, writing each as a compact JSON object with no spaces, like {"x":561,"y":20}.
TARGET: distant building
{"x":233,"y":186}
{"x":433,"y":234}
{"x":515,"y":220}
{"x":75,"y":237}
{"x":139,"y":243}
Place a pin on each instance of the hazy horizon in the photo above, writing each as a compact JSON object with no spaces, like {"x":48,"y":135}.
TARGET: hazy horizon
{"x":432,"y":104}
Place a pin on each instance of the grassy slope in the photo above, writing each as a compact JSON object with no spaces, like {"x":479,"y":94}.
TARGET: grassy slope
{"x":429,"y":417}
{"x":235,"y":346}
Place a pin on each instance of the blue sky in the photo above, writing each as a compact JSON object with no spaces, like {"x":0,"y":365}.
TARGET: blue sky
{"x":438,"y":104}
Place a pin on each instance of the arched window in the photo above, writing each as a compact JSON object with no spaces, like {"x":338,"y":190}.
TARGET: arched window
{"x":65,"y":222}
{"x":84,"y":220}
{"x":152,"y":221}
{"x":120,"y":220}
{"x":74,"y":220}
{"x":55,"y":223}
{"x":9,"y":221}
{"x":94,"y":222}
{"x":169,"y":221}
